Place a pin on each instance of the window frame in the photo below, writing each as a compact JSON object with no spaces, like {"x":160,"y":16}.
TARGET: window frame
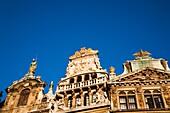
{"x":126,"y":96}
{"x":23,"y":99}
{"x":152,"y":103}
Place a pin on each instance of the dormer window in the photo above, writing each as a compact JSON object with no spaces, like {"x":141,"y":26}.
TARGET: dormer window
{"x":23,"y":97}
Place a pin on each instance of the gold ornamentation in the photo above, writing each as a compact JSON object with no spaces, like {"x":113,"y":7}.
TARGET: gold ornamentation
{"x":114,"y":98}
{"x":112,"y":69}
{"x":140,"y":100}
{"x":83,"y":52}
{"x":141,"y":54}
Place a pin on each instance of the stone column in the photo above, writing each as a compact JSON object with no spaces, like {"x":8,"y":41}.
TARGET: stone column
{"x":90,"y":96}
{"x":139,"y":97}
{"x":65,"y":100}
{"x":90,"y":78}
{"x":82,"y":98}
{"x":114,"y":103}
{"x":75,"y":79}
{"x":82,"y":77}
{"x":74,"y":100}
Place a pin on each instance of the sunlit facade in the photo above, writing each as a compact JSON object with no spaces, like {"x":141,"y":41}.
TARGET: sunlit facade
{"x":143,"y":87}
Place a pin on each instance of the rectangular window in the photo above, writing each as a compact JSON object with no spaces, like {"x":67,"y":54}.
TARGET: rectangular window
{"x":123,"y":104}
{"x":132,"y":104}
{"x":127,"y":102}
{"x":154,"y":101}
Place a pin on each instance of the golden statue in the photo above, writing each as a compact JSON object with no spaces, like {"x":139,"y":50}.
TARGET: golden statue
{"x":33,"y":67}
{"x":142,"y":54}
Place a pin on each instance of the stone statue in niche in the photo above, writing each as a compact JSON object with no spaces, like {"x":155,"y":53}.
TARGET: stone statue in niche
{"x":61,"y":103}
{"x":96,"y":60}
{"x":166,"y":94}
{"x":114,"y":98}
{"x":70,"y":69}
{"x":164,"y":64}
{"x":101,"y":96}
{"x":127,"y":65}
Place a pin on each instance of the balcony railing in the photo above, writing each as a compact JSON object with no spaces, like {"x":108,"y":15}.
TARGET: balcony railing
{"x":82,"y":84}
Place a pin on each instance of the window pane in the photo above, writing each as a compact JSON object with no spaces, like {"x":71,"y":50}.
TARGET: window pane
{"x":70,"y":102}
{"x":158,"y":101}
{"x":123,"y":106}
{"x":94,"y":98}
{"x":86,"y":100}
{"x":131,"y":99}
{"x":132,"y":102}
{"x":122,"y":99}
{"x":149,"y":101}
{"x":132,"y":106}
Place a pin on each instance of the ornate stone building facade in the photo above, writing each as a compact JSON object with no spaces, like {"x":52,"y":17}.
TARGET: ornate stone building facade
{"x":143,"y":87}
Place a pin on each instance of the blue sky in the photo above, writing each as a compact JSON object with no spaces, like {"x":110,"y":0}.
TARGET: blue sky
{"x":53,"y":30}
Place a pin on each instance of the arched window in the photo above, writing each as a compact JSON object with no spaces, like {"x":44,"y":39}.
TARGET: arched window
{"x":70,"y":99}
{"x":79,"y":79}
{"x":94,"y":97}
{"x":86,"y":77}
{"x":23,"y":97}
{"x":86,"y":99}
{"x":78,"y":100}
{"x":94,"y":75}
{"x":71,"y":80}
{"x":44,"y":100}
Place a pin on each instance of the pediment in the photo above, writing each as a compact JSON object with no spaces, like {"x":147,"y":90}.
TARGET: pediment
{"x":145,"y":74}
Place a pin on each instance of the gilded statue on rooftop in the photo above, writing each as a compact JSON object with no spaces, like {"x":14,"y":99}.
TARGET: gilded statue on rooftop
{"x":33,"y":67}
{"x":142,"y":54}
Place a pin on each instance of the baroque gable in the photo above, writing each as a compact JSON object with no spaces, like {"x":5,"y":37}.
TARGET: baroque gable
{"x":144,"y":74}
{"x":85,"y":61}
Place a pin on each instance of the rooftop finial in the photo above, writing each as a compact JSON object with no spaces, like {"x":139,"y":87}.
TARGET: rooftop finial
{"x":51,"y":84}
{"x":112,"y":69}
{"x":50,"y":91}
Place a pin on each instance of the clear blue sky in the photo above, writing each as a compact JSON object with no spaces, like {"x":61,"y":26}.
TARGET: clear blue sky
{"x":54,"y":30}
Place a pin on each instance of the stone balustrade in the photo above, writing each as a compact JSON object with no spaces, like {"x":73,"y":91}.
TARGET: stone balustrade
{"x":82,"y":84}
